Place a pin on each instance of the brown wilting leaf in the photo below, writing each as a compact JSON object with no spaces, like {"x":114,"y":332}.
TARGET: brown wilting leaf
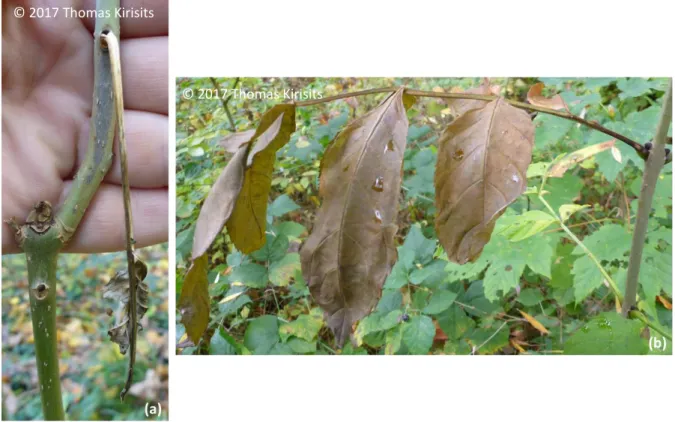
{"x":351,"y":248}
{"x":234,"y":141}
{"x":460,"y":106}
{"x":193,"y":303}
{"x":481,"y":169}
{"x":560,"y":166}
{"x":535,"y":97}
{"x":118,"y":289}
{"x":247,"y":222}
{"x":219,"y":203}
{"x":533,"y":321}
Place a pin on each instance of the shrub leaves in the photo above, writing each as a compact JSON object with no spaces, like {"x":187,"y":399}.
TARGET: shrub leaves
{"x":246,"y":225}
{"x":482,"y":163}
{"x":351,"y":249}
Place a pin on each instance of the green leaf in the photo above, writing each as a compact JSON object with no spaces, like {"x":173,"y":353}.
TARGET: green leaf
{"x":530,"y":297}
{"x":549,"y":130}
{"x":390,"y":320}
{"x":301,"y":347}
{"x":262,"y":334}
{"x":635,"y":87}
{"x":567,"y":210}
{"x":251,"y":275}
{"x":391,"y":300}
{"x":222,"y":343}
{"x":519,"y":227}
{"x":422,"y":247}
{"x":454,"y":322}
{"x":233,"y":306}
{"x":561,"y":269}
{"x":282,"y":205}
{"x":281,"y":272}
{"x":418,"y":334}
{"x":562,"y":190}
{"x":489,"y":340}
{"x":273,"y":250}
{"x":608,"y":334}
{"x":290,"y":229}
{"x":610,"y":242}
{"x":440,"y":301}
{"x":508,"y":260}
{"x":393,"y":340}
{"x":305,"y":327}
{"x":430,"y":274}
{"x":587,"y":278}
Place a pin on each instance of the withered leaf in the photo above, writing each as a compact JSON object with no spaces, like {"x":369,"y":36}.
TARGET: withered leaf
{"x":481,"y":169}
{"x":535,"y":97}
{"x":219,"y":203}
{"x":118,"y":289}
{"x":460,"y":106}
{"x":351,"y":249}
{"x":561,"y":165}
{"x":247,"y":222}
{"x":193,"y":303}
{"x":232,"y":143}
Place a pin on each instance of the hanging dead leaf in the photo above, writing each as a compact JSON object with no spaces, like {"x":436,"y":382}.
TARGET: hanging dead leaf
{"x":118,"y":289}
{"x":533,"y":321}
{"x":351,"y":249}
{"x":194,"y":299}
{"x":247,"y":222}
{"x":234,"y":141}
{"x":666,"y":304}
{"x":561,"y":165}
{"x":460,"y":106}
{"x":219,"y":203}
{"x":474,"y":187}
{"x":535,"y":97}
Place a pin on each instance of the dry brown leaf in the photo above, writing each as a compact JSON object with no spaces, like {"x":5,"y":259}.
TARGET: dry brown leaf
{"x":219,"y":203}
{"x":351,"y":249}
{"x":233,"y":142}
{"x":532,"y":320}
{"x":482,"y":162}
{"x":535,"y":97}
{"x":559,"y":167}
{"x":666,"y":304}
{"x":247,"y":222}
{"x":460,"y":106}
{"x":194,"y":299}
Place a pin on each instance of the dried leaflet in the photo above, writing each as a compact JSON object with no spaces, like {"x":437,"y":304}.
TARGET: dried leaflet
{"x":482,"y":162}
{"x":351,"y":249}
{"x":219,"y":203}
{"x":560,"y":166}
{"x":194,"y":299}
{"x":247,"y":223}
{"x":535,"y":97}
{"x":118,"y":289}
{"x":231,"y":143}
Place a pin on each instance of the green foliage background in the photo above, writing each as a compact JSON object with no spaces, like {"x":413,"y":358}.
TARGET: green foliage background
{"x":261,"y":304}
{"x":92,"y":369}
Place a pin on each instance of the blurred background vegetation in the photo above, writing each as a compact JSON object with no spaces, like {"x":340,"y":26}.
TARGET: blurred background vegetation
{"x":92,"y":369}
{"x":259,"y":311}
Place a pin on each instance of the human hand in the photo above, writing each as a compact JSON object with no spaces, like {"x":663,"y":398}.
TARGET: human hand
{"x":48,"y":77}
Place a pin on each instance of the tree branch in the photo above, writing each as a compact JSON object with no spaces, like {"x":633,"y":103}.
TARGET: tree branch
{"x":652,"y":170}
{"x":639,"y":148}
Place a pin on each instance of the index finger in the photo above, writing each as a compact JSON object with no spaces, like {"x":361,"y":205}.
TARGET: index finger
{"x":139,"y":18}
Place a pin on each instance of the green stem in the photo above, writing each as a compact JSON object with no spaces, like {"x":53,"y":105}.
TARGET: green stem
{"x":639,"y":315}
{"x":576,"y":240}
{"x":101,"y":130}
{"x":652,"y":170}
{"x":41,"y":258}
{"x":44,"y":234}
